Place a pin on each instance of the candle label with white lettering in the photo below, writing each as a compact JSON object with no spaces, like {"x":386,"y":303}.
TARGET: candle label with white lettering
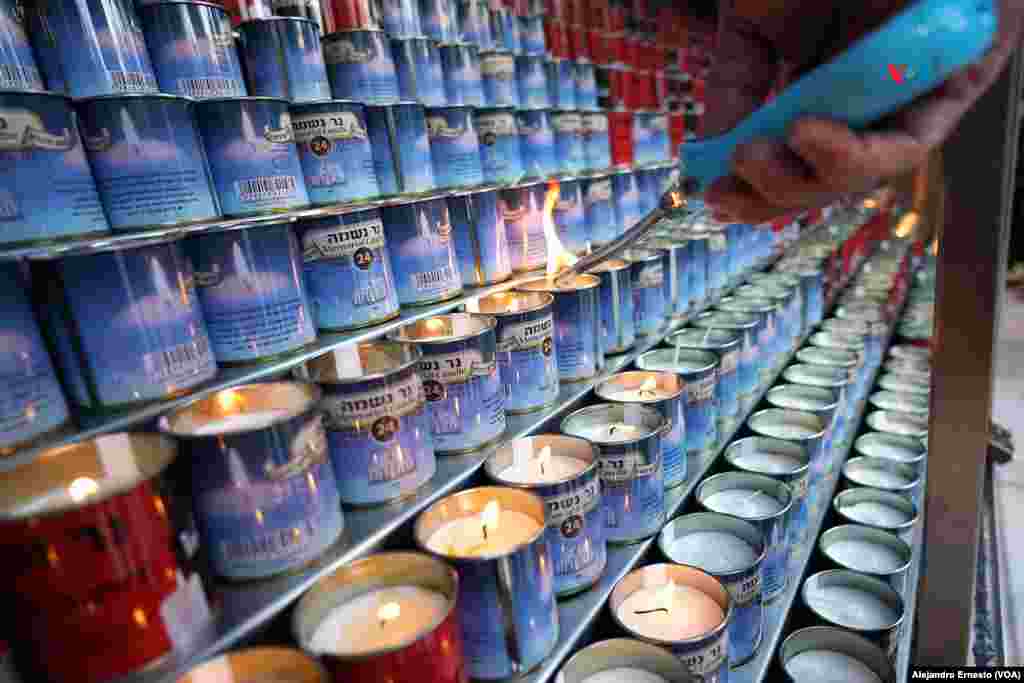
{"x":618,"y":322}
{"x":578,"y":342}
{"x":707,"y":658}
{"x":422,"y":250}
{"x":701,"y":410}
{"x":379,"y":438}
{"x":633,"y":490}
{"x":718,"y":262}
{"x":773,"y":572}
{"x":649,"y":302}
{"x":569,"y":218}
{"x":798,"y":514}
{"x":527,"y":359}
{"x":698,"y":270}
{"x":747,"y":623}
{"x":465,"y":395}
{"x":575,"y":532}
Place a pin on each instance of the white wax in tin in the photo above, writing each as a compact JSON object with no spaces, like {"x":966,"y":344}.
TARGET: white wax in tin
{"x":786,"y":431}
{"x":797,"y":402}
{"x":850,"y":607}
{"x":637,"y":394}
{"x":620,"y":431}
{"x":767,"y":462}
{"x":355,"y":627}
{"x":716,"y":552}
{"x":828,"y":666}
{"x":682,"y":613}
{"x":556,"y":468}
{"x":879,"y":514}
{"x":888,"y":450}
{"x":626,"y":674}
{"x":865,"y":556}
{"x":748,"y":503}
{"x":240,"y":422}
{"x":879,"y":479}
{"x":904,"y":424}
{"x":465,"y":537}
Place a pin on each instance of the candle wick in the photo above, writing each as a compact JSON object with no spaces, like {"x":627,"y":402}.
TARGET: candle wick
{"x":484,"y":526}
{"x":651,"y":611}
{"x":611,"y":430}
{"x":542,"y":468}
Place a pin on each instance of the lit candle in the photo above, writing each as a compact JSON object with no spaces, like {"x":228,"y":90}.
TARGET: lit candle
{"x":713,"y":551}
{"x":743,"y":503}
{"x":850,"y":607}
{"x":492,"y":532}
{"x":624,"y":675}
{"x":669,"y":612}
{"x":879,"y":514}
{"x":648,"y":391}
{"x":828,"y":666}
{"x":240,"y":422}
{"x":620,"y":431}
{"x":864,"y":556}
{"x":543,"y":468}
{"x":379,"y":620}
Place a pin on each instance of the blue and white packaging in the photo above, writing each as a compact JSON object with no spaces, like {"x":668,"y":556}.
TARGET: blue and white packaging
{"x":92,"y":47}
{"x":806,"y":431}
{"x":463,"y":82}
{"x":785,"y":461}
{"x":33,"y":404}
{"x":252,"y":292}
{"x":480,"y":239}
{"x":626,"y":191}
{"x":439,"y":20}
{"x":335,"y":151}
{"x":650,"y":137}
{"x":578,"y":336}
{"x":193,"y":49}
{"x":360,"y":66}
{"x":725,"y":344}
{"x":375,"y":417}
{"x":282,"y":58}
{"x":401,"y":148}
{"x":420,"y":78}
{"x":401,"y":18}
{"x":263,"y":489}
{"x":459,"y":369}
{"x":676,"y":282}
{"x":505,"y":27}
{"x":475,"y":23}
{"x":765,"y":311}
{"x":561,"y":76}
{"x":569,"y":217}
{"x":599,"y":209}
{"x":250,"y":145}
{"x":538,"y":142}
{"x":575,"y":520}
{"x":422,"y":250}
{"x":148,"y":160}
{"x":126,"y":323}
{"x":531,"y":35}
{"x":454,"y":147}
{"x":586,"y":86}
{"x":526,"y":347}
{"x":348,"y":270}
{"x":531,"y":79}
{"x":568,"y":127}
{"x":501,"y":153}
{"x":498,"y":70}
{"x":698,"y":270}
{"x":618,"y":322}
{"x":522,"y":208}
{"x":650,"y":305}
{"x":597,"y":147}
{"x":41,"y":148}
{"x":18,"y":68}
{"x":745,"y":327}
{"x":718,"y":262}
{"x":631,"y":469}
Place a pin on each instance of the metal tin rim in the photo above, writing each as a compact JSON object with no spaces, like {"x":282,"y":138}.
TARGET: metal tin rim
{"x":100,"y":247}
{"x":872,"y":422}
{"x":887,"y":675}
{"x":199,"y":231}
{"x":42,"y":93}
{"x":141,"y":95}
{"x":277,"y":654}
{"x":654,"y":650}
{"x":789,"y":375}
{"x":803,"y":468}
{"x":591,"y":466}
{"x":901,"y":502}
{"x":412,"y":349}
{"x":881,"y":586}
{"x":866,"y":533}
{"x":164,"y":423}
{"x":778,"y":389}
{"x":665,"y":426}
{"x":709,"y":320}
{"x":801,"y":413}
{"x":783,"y":511}
{"x":877,"y":400}
{"x":277,"y":18}
{"x":807,"y":351}
{"x":743,"y":304}
{"x":909,"y":441}
{"x":546,"y":284}
{"x":245,"y":98}
{"x":548,"y":299}
{"x":663,"y":541}
{"x":869,"y":462}
{"x":678,"y":392}
{"x":725,"y":346}
{"x":326,"y":101}
{"x":489,"y":324}
{"x":712,"y":362}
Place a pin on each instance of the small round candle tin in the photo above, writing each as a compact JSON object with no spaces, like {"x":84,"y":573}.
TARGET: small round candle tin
{"x":461,"y":380}
{"x":905,"y":366}
{"x":900,"y":424}
{"x":650,"y":304}
{"x":422,"y":250}
{"x":628,"y":439}
{"x":282,"y":58}
{"x":618,"y":320}
{"x":910,"y":352}
{"x":265,"y":496}
{"x":578,"y":342}
{"x":806,"y":430}
{"x":856,"y":602}
{"x":335,"y":151}
{"x":900,"y":402}
{"x":837,"y":380}
{"x":522,"y":208}
{"x":725,"y":344}
{"x":360,"y":66}
{"x":568,"y":128}
{"x":699,"y":372}
{"x":816,"y":400}
{"x":420,"y":74}
{"x":910,"y":384}
{"x":786,"y":461}
{"x":481,"y":242}
{"x":391,"y":616}
{"x":605,"y":660}
{"x":599,"y":210}
{"x":887,"y":475}
{"x":830,"y":343}
{"x":744,"y":327}
{"x":526,"y":351}
{"x":401,"y":148}
{"x":767,"y":312}
{"x":811,"y":654}
{"x":454,"y":146}
{"x":463,"y":82}
{"x":905,"y":450}
{"x":867,"y":550}
{"x":498,"y":71}
{"x":501,"y":153}
{"x":665,"y":392}
{"x":698,"y":270}
{"x":732,"y":550}
{"x":506,"y":604}
{"x":375,"y":415}
{"x":765,"y":503}
{"x":569,"y":218}
{"x":538,"y":142}
{"x":676,"y":282}
{"x":563,"y":471}
{"x":643,"y":603}
{"x":259,"y":663}
{"x":876,"y":508}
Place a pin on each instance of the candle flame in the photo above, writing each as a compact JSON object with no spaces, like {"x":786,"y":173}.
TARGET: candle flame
{"x":82,"y":488}
{"x":649,"y":386}
{"x":544,"y":457}
{"x":491,"y":515}
{"x":559,"y":257}
{"x":935,"y":247}
{"x":389,"y":612}
{"x":513,"y":306}
{"x":907,"y":224}
{"x":663,"y":597}
{"x":229,"y":401}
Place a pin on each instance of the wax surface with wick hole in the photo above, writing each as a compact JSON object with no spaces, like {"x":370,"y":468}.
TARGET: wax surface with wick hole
{"x":865,"y":556}
{"x":879,"y":479}
{"x":904,"y":424}
{"x":465,"y":537}
{"x":743,"y":503}
{"x":556,"y":468}
{"x":785,"y":431}
{"x":850,"y":607}
{"x":620,"y":431}
{"x":880,"y":514}
{"x":770,"y":462}
{"x":716,"y":552}
{"x":827,"y":666}
{"x":354,"y":627}
{"x":691,"y":613}
{"x":239,"y":422}
{"x":626,"y":674}
{"x":798,"y":402}
{"x":879,"y":448}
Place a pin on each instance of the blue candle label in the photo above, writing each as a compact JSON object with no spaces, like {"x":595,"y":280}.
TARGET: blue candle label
{"x":633,"y":493}
{"x":454,"y":147}
{"x":499,"y":146}
{"x":465,"y":397}
{"x":600,"y":213}
{"x":526,"y":357}
{"x":648,"y":296}
{"x":578,"y":340}
{"x":575,"y":535}
{"x":336,"y":155}
{"x":747,"y":623}
{"x":360,"y":67}
{"x":18,"y":70}
{"x":569,"y":217}
{"x":498,"y":71}
{"x":708,"y":662}
{"x":568,"y":128}
{"x":798,"y":514}
{"x":422,"y":252}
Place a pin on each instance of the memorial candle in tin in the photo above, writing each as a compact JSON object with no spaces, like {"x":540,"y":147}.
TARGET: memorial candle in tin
{"x":335,"y":151}
{"x":375,"y":417}
{"x":762,"y":501}
{"x":837,"y":380}
{"x":626,"y":191}
{"x":522,"y":207}
{"x":538,"y":142}
{"x":597,"y":152}
{"x":561,"y":77}
{"x":699,"y":371}
{"x":568,"y":127}
{"x":768,"y":345}
{"x":869,"y":551}
{"x":884,"y":474}
{"x":650,"y":304}
{"x":665,"y":392}
{"x":816,"y":400}
{"x":697,"y":271}
{"x":459,"y":369}
{"x":494,"y":537}
{"x":501,"y":153}
{"x":460,"y":67}
{"x":282,"y":58}
{"x":578,"y":343}
{"x":786,"y":461}
{"x":422,"y":251}
{"x":900,"y":402}
{"x":618,"y":322}
{"x":599,"y":210}
{"x":480,"y":239}
{"x":454,"y":147}
{"x":725,"y":344}
{"x":91,"y":536}
{"x":391,"y":616}
{"x":805,"y":430}
{"x":876,"y":508}
{"x":834,"y":357}
{"x":498,"y":70}
{"x":563,"y":471}
{"x":857,"y":602}
{"x":732,"y":550}
{"x":910,"y":384}
{"x":265,"y":495}
{"x":628,"y":439}
{"x":906,"y":450}
{"x":360,"y":66}
{"x":615,"y":659}
{"x":675,"y":281}
{"x":401,"y":148}
{"x":526,"y":347}
{"x":683,"y":609}
{"x":859,"y":373}
{"x":420,"y":76}
{"x":531,"y":80}
{"x":744,"y":327}
{"x":823,"y":654}
{"x":258,"y":663}
{"x":901,"y":424}
{"x":903,"y":366}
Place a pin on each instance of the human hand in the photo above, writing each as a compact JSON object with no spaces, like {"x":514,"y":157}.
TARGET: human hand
{"x":764,"y":43}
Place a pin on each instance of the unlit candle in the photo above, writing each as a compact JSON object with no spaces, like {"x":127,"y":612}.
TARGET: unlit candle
{"x":621,"y":431}
{"x":850,"y":607}
{"x":625,"y":674}
{"x":828,"y":666}
{"x":880,"y":448}
{"x":713,"y":551}
{"x":864,"y":556}
{"x":879,"y":479}
{"x":879,"y":514}
{"x":240,"y":422}
{"x":768,"y":462}
{"x":748,"y":503}
{"x":538,"y":471}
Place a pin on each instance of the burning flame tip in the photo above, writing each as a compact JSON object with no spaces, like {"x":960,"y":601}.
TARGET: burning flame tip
{"x":389,"y":611}
{"x":491,"y":514}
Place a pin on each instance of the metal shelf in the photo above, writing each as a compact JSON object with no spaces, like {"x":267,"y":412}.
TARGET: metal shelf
{"x":910,"y":591}
{"x":244,"y":608}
